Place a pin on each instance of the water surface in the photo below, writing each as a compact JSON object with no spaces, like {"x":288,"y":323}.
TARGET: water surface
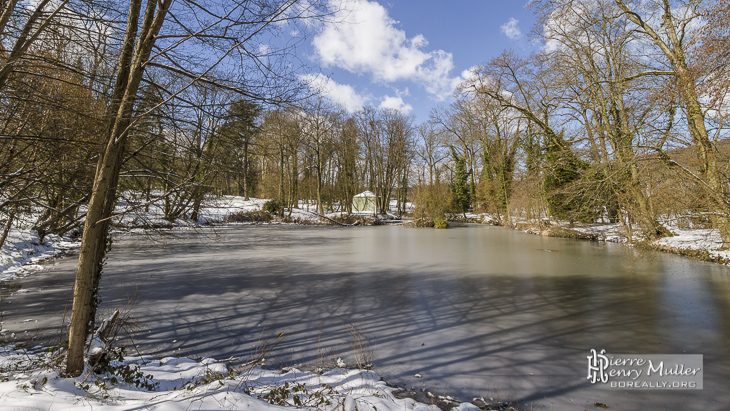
{"x":475,"y":311}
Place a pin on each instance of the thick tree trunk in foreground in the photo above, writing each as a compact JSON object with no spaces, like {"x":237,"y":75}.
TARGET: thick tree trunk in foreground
{"x":103,"y":197}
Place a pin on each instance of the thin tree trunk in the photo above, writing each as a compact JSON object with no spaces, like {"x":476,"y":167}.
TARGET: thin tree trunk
{"x":6,"y":229}
{"x":281,"y":173}
{"x":294,"y":181}
{"x":245,"y":170}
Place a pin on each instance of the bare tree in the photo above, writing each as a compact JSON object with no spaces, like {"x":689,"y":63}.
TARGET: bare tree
{"x":671,"y":36}
{"x":594,"y":53}
{"x":33,"y":26}
{"x":225,"y":31}
{"x":387,"y":141}
{"x":320,"y":120}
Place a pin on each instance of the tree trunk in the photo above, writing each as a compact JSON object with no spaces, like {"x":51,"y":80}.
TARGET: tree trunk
{"x":281,"y":173}
{"x":687,"y":83}
{"x":197,"y":200}
{"x":103,"y":195}
{"x":91,"y":254}
{"x":245,"y":170}
{"x":318,"y":153}
{"x":294,"y":190}
{"x":7,"y":227}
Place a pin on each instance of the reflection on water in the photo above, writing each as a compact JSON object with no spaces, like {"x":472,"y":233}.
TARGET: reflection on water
{"x":475,"y":310}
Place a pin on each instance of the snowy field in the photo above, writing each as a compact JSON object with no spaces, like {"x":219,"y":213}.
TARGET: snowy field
{"x":181,"y":384}
{"x":23,"y":251}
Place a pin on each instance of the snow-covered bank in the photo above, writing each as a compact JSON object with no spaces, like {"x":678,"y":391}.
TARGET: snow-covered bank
{"x":705,"y":244}
{"x":185,"y":384}
{"x":23,"y":251}
{"x":701,"y":243}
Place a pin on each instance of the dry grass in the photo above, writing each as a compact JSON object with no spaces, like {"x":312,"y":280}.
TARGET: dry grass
{"x":360,"y":347}
{"x":249,"y":217}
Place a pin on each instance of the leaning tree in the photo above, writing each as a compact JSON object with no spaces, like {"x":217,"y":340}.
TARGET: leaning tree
{"x":212,"y":42}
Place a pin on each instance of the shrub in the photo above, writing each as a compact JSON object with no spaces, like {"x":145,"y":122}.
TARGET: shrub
{"x":421,"y":222}
{"x":272,"y":207}
{"x":440,"y":222}
{"x":299,"y":396}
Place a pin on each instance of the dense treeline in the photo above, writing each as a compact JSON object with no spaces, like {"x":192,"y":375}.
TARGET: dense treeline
{"x":619,"y":117}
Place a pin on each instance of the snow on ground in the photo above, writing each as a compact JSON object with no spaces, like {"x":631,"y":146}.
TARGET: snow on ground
{"x":696,"y":239}
{"x":131,"y":213}
{"x":23,"y":250}
{"x":604,"y":232}
{"x":184,"y":384}
{"x":683,"y":239}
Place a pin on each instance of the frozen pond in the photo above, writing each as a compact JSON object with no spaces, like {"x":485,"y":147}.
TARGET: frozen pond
{"x":475,"y":311}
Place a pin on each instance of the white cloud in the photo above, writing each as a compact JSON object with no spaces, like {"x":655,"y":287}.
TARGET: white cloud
{"x":367,"y":41}
{"x":511,"y":30}
{"x":396,"y":103}
{"x":342,"y":94}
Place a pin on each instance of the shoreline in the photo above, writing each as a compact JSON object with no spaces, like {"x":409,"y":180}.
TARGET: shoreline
{"x":24,"y":253}
{"x":697,"y":244}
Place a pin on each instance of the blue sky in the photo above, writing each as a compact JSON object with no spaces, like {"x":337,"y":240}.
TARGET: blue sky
{"x":410,"y":54}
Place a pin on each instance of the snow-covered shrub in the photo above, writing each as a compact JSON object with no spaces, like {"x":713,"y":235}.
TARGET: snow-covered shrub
{"x":299,"y":396}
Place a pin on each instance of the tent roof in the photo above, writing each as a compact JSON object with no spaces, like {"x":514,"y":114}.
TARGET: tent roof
{"x":366,"y":194}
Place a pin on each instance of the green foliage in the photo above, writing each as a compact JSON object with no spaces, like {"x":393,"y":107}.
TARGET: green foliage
{"x":242,"y":130}
{"x":207,"y":378}
{"x":117,"y":371}
{"x":460,"y":189}
{"x":241,"y":119}
{"x":440,"y":222}
{"x":300,"y":396}
{"x":565,"y":199}
{"x":273,"y":207}
{"x":497,"y":174}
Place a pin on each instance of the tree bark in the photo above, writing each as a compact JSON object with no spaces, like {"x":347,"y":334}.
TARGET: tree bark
{"x":7,"y":227}
{"x":103,"y":197}
{"x":245,"y":170}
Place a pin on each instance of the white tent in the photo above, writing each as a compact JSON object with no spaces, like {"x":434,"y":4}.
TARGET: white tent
{"x":364,"y":202}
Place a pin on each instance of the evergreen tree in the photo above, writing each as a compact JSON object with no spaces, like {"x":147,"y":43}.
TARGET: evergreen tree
{"x":564,"y":168}
{"x":242,"y":125}
{"x":460,"y":188}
